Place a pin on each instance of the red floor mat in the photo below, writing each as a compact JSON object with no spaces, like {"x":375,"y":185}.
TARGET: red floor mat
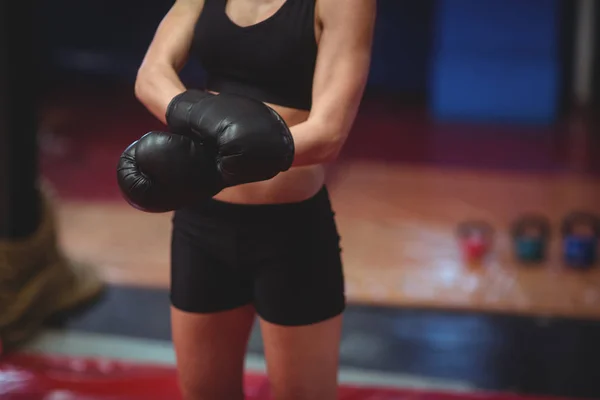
{"x":38,"y":377}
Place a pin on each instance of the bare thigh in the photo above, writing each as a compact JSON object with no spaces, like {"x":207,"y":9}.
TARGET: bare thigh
{"x":303,"y":361}
{"x":210,"y":351}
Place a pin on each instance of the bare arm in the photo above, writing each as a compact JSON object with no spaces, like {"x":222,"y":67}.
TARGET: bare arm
{"x":158,"y":80}
{"x":341,"y":74}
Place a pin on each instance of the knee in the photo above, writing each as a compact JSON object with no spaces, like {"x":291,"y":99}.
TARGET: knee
{"x":305,"y":391}
{"x":197,"y":390}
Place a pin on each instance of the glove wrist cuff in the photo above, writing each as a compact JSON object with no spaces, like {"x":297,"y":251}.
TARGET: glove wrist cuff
{"x":289,"y":158}
{"x":288,"y":140}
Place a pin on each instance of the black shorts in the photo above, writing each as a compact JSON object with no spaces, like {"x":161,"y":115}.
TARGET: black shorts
{"x":283,"y":258}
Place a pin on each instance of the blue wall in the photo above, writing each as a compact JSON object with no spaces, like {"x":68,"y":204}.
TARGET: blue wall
{"x":496,"y":60}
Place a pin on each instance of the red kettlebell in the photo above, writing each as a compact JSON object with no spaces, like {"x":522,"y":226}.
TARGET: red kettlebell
{"x":475,"y":238}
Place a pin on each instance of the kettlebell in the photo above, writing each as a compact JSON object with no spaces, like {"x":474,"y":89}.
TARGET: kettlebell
{"x":531,"y":233}
{"x":580,"y":239}
{"x":475,"y":238}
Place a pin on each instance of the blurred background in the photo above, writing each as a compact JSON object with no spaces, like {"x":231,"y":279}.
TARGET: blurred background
{"x":467,"y":199}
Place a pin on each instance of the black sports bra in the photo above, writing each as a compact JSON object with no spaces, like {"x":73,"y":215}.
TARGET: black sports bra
{"x":272,"y":61}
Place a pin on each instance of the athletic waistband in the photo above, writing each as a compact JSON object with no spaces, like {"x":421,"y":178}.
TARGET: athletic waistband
{"x":319,"y":203}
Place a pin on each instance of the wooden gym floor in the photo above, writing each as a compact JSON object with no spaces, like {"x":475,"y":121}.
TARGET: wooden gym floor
{"x":399,"y":192}
{"x":397,"y":226}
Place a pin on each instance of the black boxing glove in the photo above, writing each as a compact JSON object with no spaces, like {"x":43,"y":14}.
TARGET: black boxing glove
{"x":164,"y":171}
{"x":180,"y":108}
{"x":251,"y":141}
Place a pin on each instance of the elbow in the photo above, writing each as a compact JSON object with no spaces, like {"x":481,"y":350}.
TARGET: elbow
{"x":331,"y":155}
{"x":148,"y":81}
{"x":142,"y":87}
{"x":330,"y":138}
{"x":139,"y":89}
{"x":328,"y":141}
{"x":333,"y":148}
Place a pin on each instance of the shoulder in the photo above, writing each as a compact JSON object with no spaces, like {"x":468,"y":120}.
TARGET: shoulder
{"x":345,"y":11}
{"x":189,"y":5}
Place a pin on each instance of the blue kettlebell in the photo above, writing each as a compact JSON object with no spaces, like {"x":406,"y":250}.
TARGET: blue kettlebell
{"x":580,"y":239}
{"x":530,"y":234}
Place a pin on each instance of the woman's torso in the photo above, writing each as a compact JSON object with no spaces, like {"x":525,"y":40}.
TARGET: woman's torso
{"x":246,"y":17}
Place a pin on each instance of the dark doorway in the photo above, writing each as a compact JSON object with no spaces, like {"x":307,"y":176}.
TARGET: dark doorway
{"x":596,"y":66}
{"x":568,"y":27}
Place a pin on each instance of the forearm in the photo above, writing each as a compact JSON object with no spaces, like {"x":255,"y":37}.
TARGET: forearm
{"x":155,"y":87}
{"x":316,"y":143}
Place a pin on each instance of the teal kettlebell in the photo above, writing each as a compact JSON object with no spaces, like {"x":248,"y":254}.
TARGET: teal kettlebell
{"x":531,"y":233}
